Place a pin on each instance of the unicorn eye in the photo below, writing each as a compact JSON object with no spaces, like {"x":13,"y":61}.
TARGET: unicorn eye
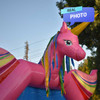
{"x":68,"y":42}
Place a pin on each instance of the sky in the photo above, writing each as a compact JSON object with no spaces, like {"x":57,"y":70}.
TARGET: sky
{"x":35,"y":21}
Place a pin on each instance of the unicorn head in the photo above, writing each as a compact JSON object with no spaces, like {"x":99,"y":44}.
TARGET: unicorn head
{"x":68,"y":44}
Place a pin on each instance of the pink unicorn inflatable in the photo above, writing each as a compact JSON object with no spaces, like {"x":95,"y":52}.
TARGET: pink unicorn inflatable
{"x":16,"y":75}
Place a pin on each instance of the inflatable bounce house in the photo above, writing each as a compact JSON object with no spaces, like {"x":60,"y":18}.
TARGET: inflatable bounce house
{"x":52,"y":76}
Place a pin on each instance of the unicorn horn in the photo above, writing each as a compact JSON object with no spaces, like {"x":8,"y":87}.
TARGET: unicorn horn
{"x":79,"y":28}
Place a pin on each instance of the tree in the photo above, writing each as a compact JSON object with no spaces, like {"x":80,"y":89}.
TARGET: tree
{"x":26,"y":50}
{"x":91,"y":35}
{"x":84,"y":67}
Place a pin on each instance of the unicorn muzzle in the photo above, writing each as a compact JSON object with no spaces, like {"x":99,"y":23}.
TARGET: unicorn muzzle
{"x":80,"y":54}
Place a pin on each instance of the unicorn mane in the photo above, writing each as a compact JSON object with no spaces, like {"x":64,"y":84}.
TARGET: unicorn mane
{"x":54,"y":38}
{"x":45,"y":61}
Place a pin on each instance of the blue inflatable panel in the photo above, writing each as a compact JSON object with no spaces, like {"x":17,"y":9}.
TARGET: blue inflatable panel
{"x":40,"y":94}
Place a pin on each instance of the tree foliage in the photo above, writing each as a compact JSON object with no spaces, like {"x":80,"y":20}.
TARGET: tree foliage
{"x":84,"y":67}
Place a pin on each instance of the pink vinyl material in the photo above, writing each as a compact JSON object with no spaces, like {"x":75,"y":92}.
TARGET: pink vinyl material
{"x":28,"y":73}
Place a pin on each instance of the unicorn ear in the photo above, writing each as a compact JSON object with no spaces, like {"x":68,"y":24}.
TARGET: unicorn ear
{"x":64,"y":27}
